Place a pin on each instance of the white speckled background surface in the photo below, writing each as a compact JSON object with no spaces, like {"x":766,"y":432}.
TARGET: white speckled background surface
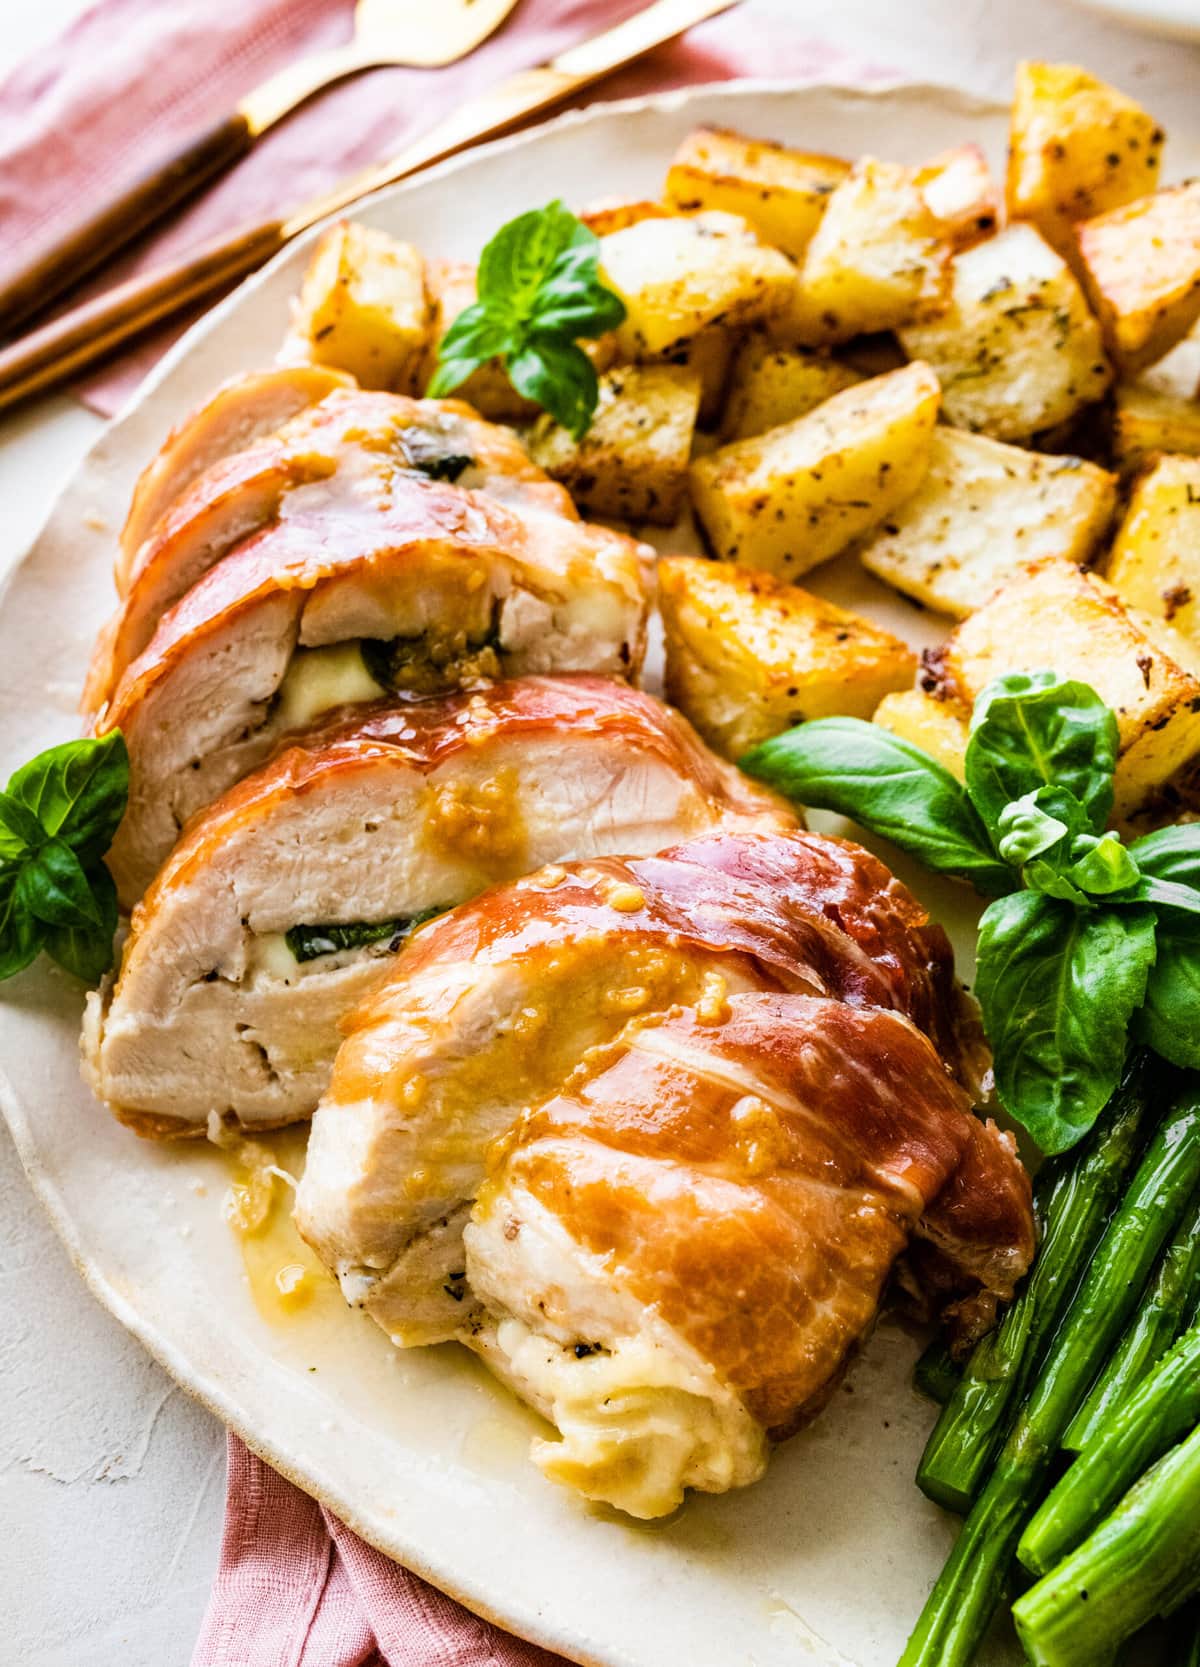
{"x":110,"y":1478}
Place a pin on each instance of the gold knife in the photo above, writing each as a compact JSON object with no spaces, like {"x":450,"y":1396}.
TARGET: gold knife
{"x":78,"y":338}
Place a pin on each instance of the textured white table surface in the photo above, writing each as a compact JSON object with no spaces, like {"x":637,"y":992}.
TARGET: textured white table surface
{"x":110,"y":1478}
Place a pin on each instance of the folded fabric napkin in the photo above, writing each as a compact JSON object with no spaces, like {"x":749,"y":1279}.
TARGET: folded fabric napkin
{"x":133,"y":78}
{"x":295,"y":1588}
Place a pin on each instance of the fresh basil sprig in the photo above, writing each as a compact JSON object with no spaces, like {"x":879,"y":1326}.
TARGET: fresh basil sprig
{"x":1089,"y":940}
{"x":539,"y":291}
{"x":58,"y":817}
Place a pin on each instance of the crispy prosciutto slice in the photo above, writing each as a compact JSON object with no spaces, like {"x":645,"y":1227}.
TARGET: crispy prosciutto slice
{"x":339,"y":459}
{"x":438,"y":589}
{"x":285,"y":901}
{"x":650,"y":1135}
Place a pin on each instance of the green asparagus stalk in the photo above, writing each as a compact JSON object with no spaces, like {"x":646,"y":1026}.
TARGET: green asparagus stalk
{"x":1075,"y":1196}
{"x":971,"y":1585}
{"x":1142,"y":1561}
{"x":1162,"y":1313}
{"x":937,"y":1374}
{"x":1160,"y":1412}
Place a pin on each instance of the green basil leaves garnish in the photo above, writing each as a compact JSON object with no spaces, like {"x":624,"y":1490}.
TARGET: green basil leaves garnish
{"x":539,"y":292}
{"x":58,"y":816}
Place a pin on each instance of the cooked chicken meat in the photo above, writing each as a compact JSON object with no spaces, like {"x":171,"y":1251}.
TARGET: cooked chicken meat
{"x":436,"y":590}
{"x":339,"y":459}
{"x":280,"y":906}
{"x":650,"y":1135}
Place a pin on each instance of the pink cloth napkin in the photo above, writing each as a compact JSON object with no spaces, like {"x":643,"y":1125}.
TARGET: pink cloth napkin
{"x":132,"y":78}
{"x":295,"y":1588}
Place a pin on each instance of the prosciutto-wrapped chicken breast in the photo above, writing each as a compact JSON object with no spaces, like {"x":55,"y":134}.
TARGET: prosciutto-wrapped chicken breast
{"x":650,"y":1135}
{"x":435,"y":588}
{"x":283,"y":902}
{"x":338,"y":459}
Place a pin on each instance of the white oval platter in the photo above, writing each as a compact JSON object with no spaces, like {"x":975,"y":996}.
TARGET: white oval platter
{"x":828,"y":1560}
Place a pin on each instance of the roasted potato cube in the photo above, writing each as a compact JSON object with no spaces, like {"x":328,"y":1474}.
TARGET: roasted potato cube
{"x":1154,"y":564}
{"x":451,"y":287}
{"x":781,"y":192}
{"x":632,"y":463}
{"x":961,"y":195}
{"x":679,"y":276}
{"x":709,"y":356}
{"x":982,"y":513}
{"x":795,"y":496}
{"x":1016,"y":350}
{"x":1147,"y":421}
{"x":613,"y":214}
{"x":748,"y":657}
{"x":1057,"y":616}
{"x":1141,"y":267}
{"x":877,"y":260}
{"x":1077,"y":148}
{"x":363,"y":308}
{"x":940,"y":727}
{"x":771,"y":385}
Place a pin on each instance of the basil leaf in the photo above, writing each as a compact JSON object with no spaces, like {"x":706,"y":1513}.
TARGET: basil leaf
{"x":1058,"y":987}
{"x":1169,"y":1018}
{"x":1171,"y":853}
{"x":558,"y":376}
{"x":20,"y":830}
{"x":20,"y":934}
{"x":520,"y":258}
{"x":1035,"y":730}
{"x":1048,"y":879}
{"x":1025,"y":830}
{"x":1104,"y":868}
{"x":88,"y":951}
{"x":53,"y":888}
{"x":887,"y":785}
{"x":77,"y":791}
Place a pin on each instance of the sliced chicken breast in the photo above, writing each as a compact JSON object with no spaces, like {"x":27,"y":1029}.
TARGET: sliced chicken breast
{"x":442,"y":589}
{"x":239,"y":413}
{"x":650,"y":1135}
{"x":282,"y":904}
{"x":339,"y":460}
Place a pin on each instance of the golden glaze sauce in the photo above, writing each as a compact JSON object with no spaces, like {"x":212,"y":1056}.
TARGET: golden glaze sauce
{"x":285,"y":1278}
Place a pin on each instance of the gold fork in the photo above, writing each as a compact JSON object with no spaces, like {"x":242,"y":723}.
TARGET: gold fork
{"x":421,"y":34}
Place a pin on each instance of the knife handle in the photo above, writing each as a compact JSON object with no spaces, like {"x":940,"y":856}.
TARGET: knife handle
{"x":116,"y":221}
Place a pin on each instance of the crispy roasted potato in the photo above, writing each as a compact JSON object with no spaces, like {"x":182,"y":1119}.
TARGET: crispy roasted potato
{"x":1077,"y":148}
{"x":877,"y":260}
{"x":748,"y":657}
{"x":1141,"y":267}
{"x":632,"y":463}
{"x":1057,"y":616}
{"x":961,"y":195}
{"x":982,"y":513}
{"x":681,"y":275}
{"x":363,"y":308}
{"x":939,"y":727}
{"x":771,"y":385}
{"x":613,"y":214}
{"x":709,"y":355}
{"x":781,"y":192}
{"x":1016,"y":350}
{"x":1147,"y":421}
{"x":1154,"y":564}
{"x":793,"y":497}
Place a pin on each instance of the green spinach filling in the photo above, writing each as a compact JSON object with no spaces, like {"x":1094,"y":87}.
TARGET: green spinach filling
{"x":308,"y":942}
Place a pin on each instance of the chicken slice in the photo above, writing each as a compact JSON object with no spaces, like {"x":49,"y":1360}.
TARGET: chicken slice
{"x":282,"y":904}
{"x":239,"y":413}
{"x":338,"y":460}
{"x":440,"y":589}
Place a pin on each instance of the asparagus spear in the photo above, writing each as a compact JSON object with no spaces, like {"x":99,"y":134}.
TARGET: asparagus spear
{"x":937,"y":1373}
{"x":1164,"y":1310}
{"x":1142,"y":1561}
{"x":1160,"y":1412}
{"x":970,"y":1586}
{"x":1074,"y":1197}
